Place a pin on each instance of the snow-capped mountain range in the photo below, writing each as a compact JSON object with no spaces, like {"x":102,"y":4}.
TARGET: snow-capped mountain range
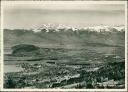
{"x":60,"y":27}
{"x":105,"y":28}
{"x":67,"y":35}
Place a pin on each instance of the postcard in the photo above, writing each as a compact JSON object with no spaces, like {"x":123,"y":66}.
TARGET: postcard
{"x":63,"y":46}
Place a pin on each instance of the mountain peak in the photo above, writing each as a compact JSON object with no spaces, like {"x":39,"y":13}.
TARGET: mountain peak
{"x":57,"y":28}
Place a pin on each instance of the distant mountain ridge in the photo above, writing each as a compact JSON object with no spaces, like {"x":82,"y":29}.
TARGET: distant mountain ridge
{"x":66,"y":36}
{"x":60,"y":27}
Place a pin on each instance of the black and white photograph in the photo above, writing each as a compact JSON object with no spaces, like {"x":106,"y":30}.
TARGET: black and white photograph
{"x":60,"y":45}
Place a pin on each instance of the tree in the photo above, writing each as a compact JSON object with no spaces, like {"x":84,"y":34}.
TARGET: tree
{"x":9,"y":83}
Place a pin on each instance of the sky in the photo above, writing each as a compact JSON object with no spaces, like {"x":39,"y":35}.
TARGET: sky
{"x":73,"y":14}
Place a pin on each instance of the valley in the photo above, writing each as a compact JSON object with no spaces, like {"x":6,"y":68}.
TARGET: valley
{"x":84,"y":60}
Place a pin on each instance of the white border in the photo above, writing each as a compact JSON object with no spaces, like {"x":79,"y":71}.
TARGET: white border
{"x":3,"y":3}
{"x":1,"y":44}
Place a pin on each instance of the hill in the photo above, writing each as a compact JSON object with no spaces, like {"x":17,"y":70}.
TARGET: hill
{"x":25,"y":50}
